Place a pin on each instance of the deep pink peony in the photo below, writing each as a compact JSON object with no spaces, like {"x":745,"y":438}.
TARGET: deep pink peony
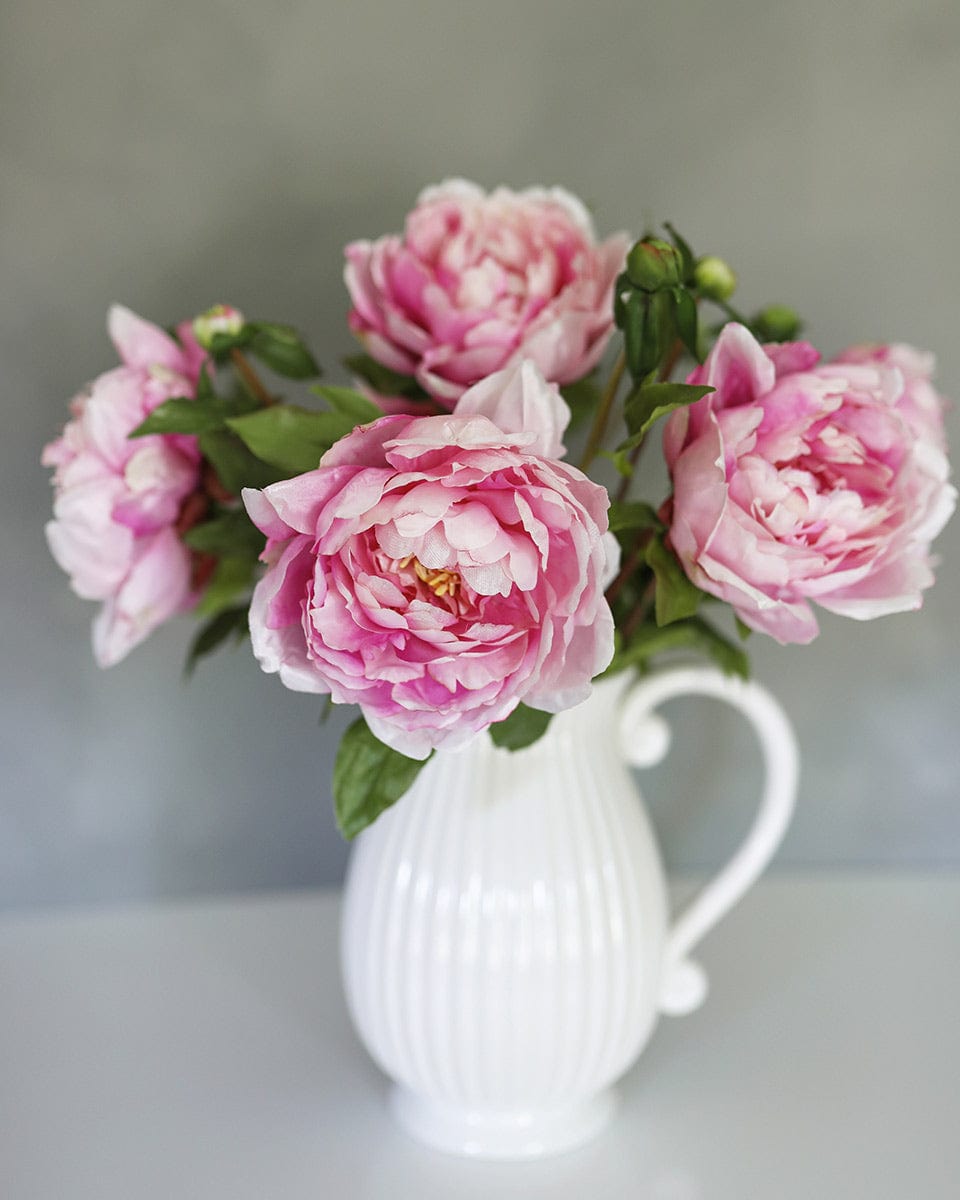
{"x":799,"y":481}
{"x":479,"y":281}
{"x":117,"y":500}
{"x":438,"y":570}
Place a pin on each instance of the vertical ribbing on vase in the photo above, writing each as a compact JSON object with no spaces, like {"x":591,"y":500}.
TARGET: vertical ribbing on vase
{"x":395,"y":950}
{"x":570,"y":922}
{"x":627,"y":953}
{"x":441,"y":977}
{"x":469,"y":969}
{"x":582,"y":800}
{"x":418,"y":967}
{"x":604,"y":984}
{"x":538,"y":998}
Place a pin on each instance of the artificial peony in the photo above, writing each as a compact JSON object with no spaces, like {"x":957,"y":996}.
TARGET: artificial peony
{"x":117,"y":500}
{"x":478,"y":282}
{"x":439,"y":570}
{"x":798,"y":480}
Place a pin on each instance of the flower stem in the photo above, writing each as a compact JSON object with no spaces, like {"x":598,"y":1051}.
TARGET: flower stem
{"x":641,"y":612}
{"x":665,"y":372}
{"x":252,"y":381}
{"x":599,"y":428}
{"x":731,"y":312}
{"x":630,"y":564}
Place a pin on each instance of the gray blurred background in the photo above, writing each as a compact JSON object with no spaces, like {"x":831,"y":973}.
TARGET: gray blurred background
{"x":170,"y":156}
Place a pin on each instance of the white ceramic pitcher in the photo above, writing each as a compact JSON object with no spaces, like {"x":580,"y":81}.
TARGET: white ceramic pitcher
{"x":506,"y":942}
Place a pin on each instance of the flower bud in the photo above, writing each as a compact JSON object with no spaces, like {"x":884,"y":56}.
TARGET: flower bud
{"x":714,"y":278}
{"x":653,"y":265}
{"x":777,"y":323}
{"x":220,"y":321}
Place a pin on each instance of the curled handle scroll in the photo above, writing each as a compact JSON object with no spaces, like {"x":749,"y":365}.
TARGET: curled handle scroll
{"x":645,"y":738}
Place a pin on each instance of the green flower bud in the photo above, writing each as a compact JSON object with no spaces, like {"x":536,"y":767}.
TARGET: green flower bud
{"x":777,"y":323}
{"x":654,"y":265}
{"x":223,"y":320}
{"x":714,"y":278}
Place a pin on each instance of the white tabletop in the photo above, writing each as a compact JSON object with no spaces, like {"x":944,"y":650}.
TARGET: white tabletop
{"x":201,"y":1050}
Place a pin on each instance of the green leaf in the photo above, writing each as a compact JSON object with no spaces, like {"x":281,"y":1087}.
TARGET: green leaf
{"x":634,"y":330}
{"x":235,"y":465}
{"x":582,"y":399}
{"x":213,"y":633}
{"x":205,"y":384}
{"x":620,"y":459}
{"x":291,"y":438}
{"x":659,"y":333}
{"x":522,"y":728}
{"x":645,"y":405}
{"x":233,"y":577}
{"x":349,"y":403}
{"x":676,"y":596}
{"x":181,"y":414}
{"x":222,"y":343}
{"x":621,"y":293}
{"x":368,"y":777}
{"x":633,"y":514}
{"x":730,"y":658}
{"x":230,"y":532}
{"x":685,"y":319}
{"x":691,"y":634}
{"x":743,"y":629}
{"x":382,"y":379}
{"x":686,"y":254}
{"x":282,"y":349}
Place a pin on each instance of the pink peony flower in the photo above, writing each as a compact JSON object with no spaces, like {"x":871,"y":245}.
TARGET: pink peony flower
{"x":478,"y":282}
{"x":439,"y":570}
{"x":117,"y":499}
{"x":799,"y":481}
{"x":920,"y":404}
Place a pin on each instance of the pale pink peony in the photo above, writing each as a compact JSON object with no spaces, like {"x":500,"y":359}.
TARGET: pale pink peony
{"x":479,"y":281}
{"x":117,"y":499}
{"x":920,"y":403}
{"x":799,"y":481}
{"x":439,"y":570}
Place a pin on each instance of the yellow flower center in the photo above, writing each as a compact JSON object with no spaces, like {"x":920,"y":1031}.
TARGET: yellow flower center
{"x":440,"y":582}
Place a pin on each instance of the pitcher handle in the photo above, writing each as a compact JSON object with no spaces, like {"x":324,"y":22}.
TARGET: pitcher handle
{"x":645,"y":739}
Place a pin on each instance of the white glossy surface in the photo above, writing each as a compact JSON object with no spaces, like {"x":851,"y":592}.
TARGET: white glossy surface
{"x":203,"y":1051}
{"x":506,"y":945}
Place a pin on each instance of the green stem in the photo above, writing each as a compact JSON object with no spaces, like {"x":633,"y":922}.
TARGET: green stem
{"x":599,"y":428}
{"x":731,"y":312}
{"x":665,"y":372}
{"x":641,"y":612}
{"x":632,"y":561}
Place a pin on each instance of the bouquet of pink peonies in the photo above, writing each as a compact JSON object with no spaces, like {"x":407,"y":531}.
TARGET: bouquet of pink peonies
{"x":420,"y":547}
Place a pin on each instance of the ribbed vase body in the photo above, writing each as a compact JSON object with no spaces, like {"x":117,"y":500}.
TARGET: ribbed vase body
{"x":502,"y":937}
